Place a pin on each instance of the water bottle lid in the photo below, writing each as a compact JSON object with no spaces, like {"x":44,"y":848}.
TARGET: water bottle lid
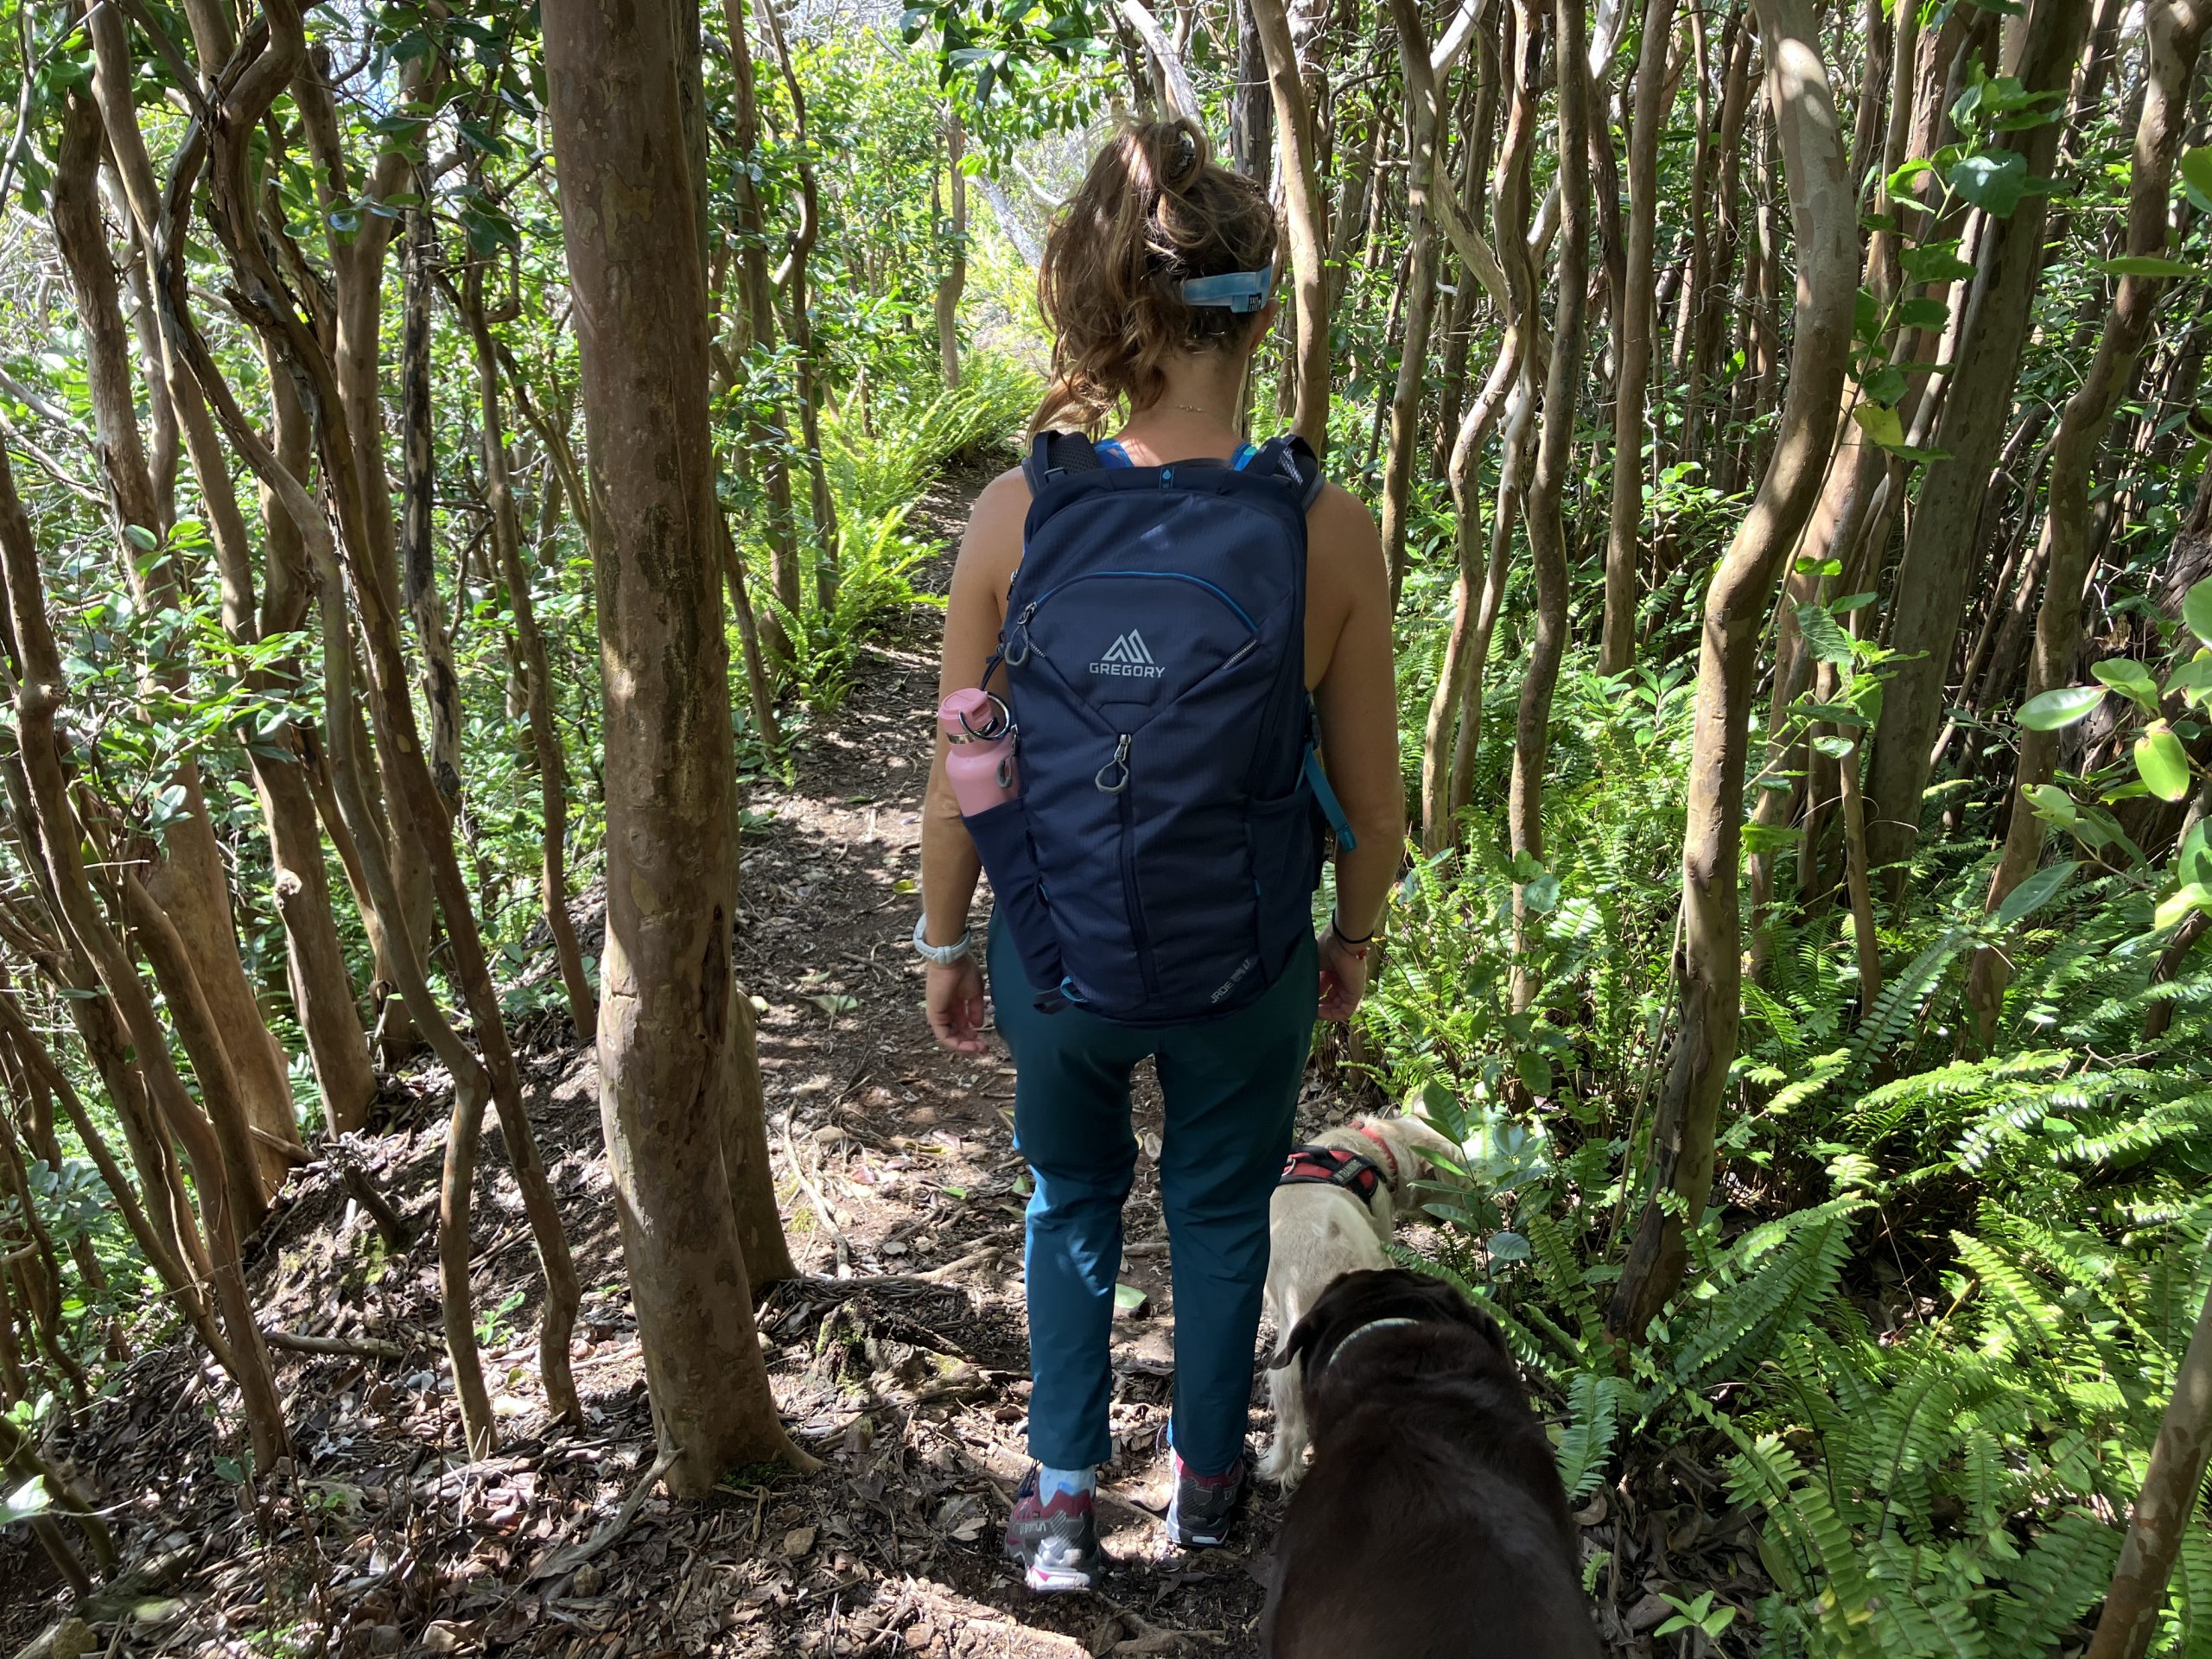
{"x":972,"y":712}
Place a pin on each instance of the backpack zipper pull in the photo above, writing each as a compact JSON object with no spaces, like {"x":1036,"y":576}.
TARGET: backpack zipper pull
{"x":1120,"y":760}
{"x":1020,"y":627}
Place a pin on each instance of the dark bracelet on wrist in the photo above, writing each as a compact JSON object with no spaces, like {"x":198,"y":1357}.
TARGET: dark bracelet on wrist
{"x":1336,"y":927}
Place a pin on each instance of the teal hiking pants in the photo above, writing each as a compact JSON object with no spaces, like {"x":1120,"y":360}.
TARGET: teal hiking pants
{"x":1231,"y":1087}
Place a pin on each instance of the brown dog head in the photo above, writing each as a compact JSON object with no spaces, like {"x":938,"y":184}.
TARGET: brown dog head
{"x":1359,"y":1299}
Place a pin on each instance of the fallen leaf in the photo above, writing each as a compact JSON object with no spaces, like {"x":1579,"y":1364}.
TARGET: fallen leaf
{"x":798,"y":1541}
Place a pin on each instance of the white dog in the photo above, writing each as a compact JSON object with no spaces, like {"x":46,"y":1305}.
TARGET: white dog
{"x":1332,"y":1215}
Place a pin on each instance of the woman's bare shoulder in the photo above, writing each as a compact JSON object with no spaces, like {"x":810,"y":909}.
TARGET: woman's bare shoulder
{"x":991,"y":546}
{"x":1343,"y":544}
{"x":1000,"y":506}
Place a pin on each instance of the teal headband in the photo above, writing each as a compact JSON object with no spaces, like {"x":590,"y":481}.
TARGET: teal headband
{"x":1234,"y":291}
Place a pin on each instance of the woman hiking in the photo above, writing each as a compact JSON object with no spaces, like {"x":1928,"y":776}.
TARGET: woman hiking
{"x":1175,"y":626}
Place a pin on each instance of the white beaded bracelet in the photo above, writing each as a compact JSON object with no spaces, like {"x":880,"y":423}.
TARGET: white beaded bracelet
{"x":941,"y":955}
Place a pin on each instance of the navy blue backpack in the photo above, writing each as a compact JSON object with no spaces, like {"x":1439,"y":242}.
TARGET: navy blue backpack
{"x":1159,"y":862}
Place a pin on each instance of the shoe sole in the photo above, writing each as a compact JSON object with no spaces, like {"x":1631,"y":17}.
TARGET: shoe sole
{"x":1186,"y":1538}
{"x":1053,"y":1580}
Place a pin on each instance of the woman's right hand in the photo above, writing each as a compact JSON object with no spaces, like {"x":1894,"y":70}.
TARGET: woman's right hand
{"x":1344,"y":975}
{"x":954,"y":996}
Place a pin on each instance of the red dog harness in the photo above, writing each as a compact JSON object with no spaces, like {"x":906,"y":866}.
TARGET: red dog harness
{"x":1312,"y":1165}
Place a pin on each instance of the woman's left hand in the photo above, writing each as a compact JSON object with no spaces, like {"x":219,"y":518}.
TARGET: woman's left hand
{"x":1344,"y":975}
{"x":954,"y":998}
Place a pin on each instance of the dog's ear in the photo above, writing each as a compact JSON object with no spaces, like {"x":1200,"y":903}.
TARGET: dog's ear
{"x":1300,"y":1341}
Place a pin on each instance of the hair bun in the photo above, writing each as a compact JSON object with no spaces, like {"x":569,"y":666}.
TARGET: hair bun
{"x":1176,"y":153}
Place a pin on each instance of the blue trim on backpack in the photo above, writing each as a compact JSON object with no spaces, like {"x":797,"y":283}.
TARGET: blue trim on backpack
{"x":1242,"y":615}
{"x":1332,"y":808}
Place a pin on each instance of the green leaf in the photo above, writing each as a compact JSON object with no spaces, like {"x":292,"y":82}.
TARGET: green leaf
{"x":2141,"y":265}
{"x":2192,"y":896}
{"x":141,"y":537}
{"x":2196,"y":605}
{"x":1993,"y":180}
{"x":2054,"y":803}
{"x":1827,"y":642}
{"x":1884,"y":385}
{"x":1131,"y":1302}
{"x":1880,"y":425}
{"x":1923,"y":314}
{"x":2059,"y":707}
{"x":2131,"y":679}
{"x":2196,"y":174}
{"x":2034,"y":893}
{"x":26,"y":1501}
{"x":1836,"y":748}
{"x":1541,"y":895}
{"x":2193,"y":862}
{"x":1534,"y":1071}
{"x":2162,"y":762}
{"x":1936,"y":262}
{"x":1508,"y":1247}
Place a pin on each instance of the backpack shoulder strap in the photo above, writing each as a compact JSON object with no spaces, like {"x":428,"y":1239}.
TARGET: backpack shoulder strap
{"x":1053,"y":454}
{"x":1291,"y":459}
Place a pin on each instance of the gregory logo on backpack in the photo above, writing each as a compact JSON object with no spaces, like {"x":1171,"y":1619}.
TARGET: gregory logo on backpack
{"x":1128,"y":657}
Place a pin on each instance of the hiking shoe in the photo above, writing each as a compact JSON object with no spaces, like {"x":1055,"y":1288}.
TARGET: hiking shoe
{"x":1203,"y":1505}
{"x":1056,"y":1543}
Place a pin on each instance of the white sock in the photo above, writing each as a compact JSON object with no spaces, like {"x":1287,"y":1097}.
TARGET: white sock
{"x":1051,"y":1481}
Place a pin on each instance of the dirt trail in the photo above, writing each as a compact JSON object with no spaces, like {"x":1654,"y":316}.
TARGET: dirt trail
{"x":901,"y":1359}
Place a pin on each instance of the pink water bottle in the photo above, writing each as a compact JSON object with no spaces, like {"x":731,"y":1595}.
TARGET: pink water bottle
{"x":980,"y":763}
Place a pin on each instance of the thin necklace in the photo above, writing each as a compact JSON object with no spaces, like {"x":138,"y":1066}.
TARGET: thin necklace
{"x":1192,"y":409}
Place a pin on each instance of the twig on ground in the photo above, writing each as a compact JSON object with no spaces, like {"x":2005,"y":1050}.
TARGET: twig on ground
{"x":359,"y":1347}
{"x":570,"y":1557}
{"x":398,"y":1232}
{"x":927,"y":1276}
{"x":821,"y":1209}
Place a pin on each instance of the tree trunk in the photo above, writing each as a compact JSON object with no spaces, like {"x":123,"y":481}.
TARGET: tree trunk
{"x":954,"y":232}
{"x":764,"y":435}
{"x":1929,"y":593}
{"x":2164,"y":1508}
{"x":234,"y":216}
{"x":1715,"y":287}
{"x":1548,"y":552}
{"x":1302,"y":206}
{"x":1446,"y":757}
{"x":2176,"y":28}
{"x":1710,"y":963}
{"x":544,"y":740}
{"x":321,"y":987}
{"x":1251,"y":135}
{"x":1632,"y":310}
{"x":38,"y":699}
{"x":665,"y":1032}
{"x":190,"y":877}
{"x":792,"y":279}
{"x":418,"y":530}
{"x":1424,"y":130}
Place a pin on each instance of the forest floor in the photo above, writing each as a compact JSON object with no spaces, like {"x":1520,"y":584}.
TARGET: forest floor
{"x":899,"y":1358}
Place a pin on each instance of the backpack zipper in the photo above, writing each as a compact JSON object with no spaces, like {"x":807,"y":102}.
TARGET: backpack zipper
{"x":1138,"y":934}
{"x":1017,"y":634}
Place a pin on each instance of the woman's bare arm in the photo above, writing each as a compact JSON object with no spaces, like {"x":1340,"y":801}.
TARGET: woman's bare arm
{"x":973,"y":613}
{"x":1355,"y":696}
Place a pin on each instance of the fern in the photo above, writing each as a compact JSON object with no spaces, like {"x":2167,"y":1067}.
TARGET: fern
{"x":1587,"y":1443}
{"x":2060,"y":1577}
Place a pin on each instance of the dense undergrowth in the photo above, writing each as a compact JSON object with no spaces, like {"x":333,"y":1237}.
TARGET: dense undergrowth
{"x":1938,"y":1304}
